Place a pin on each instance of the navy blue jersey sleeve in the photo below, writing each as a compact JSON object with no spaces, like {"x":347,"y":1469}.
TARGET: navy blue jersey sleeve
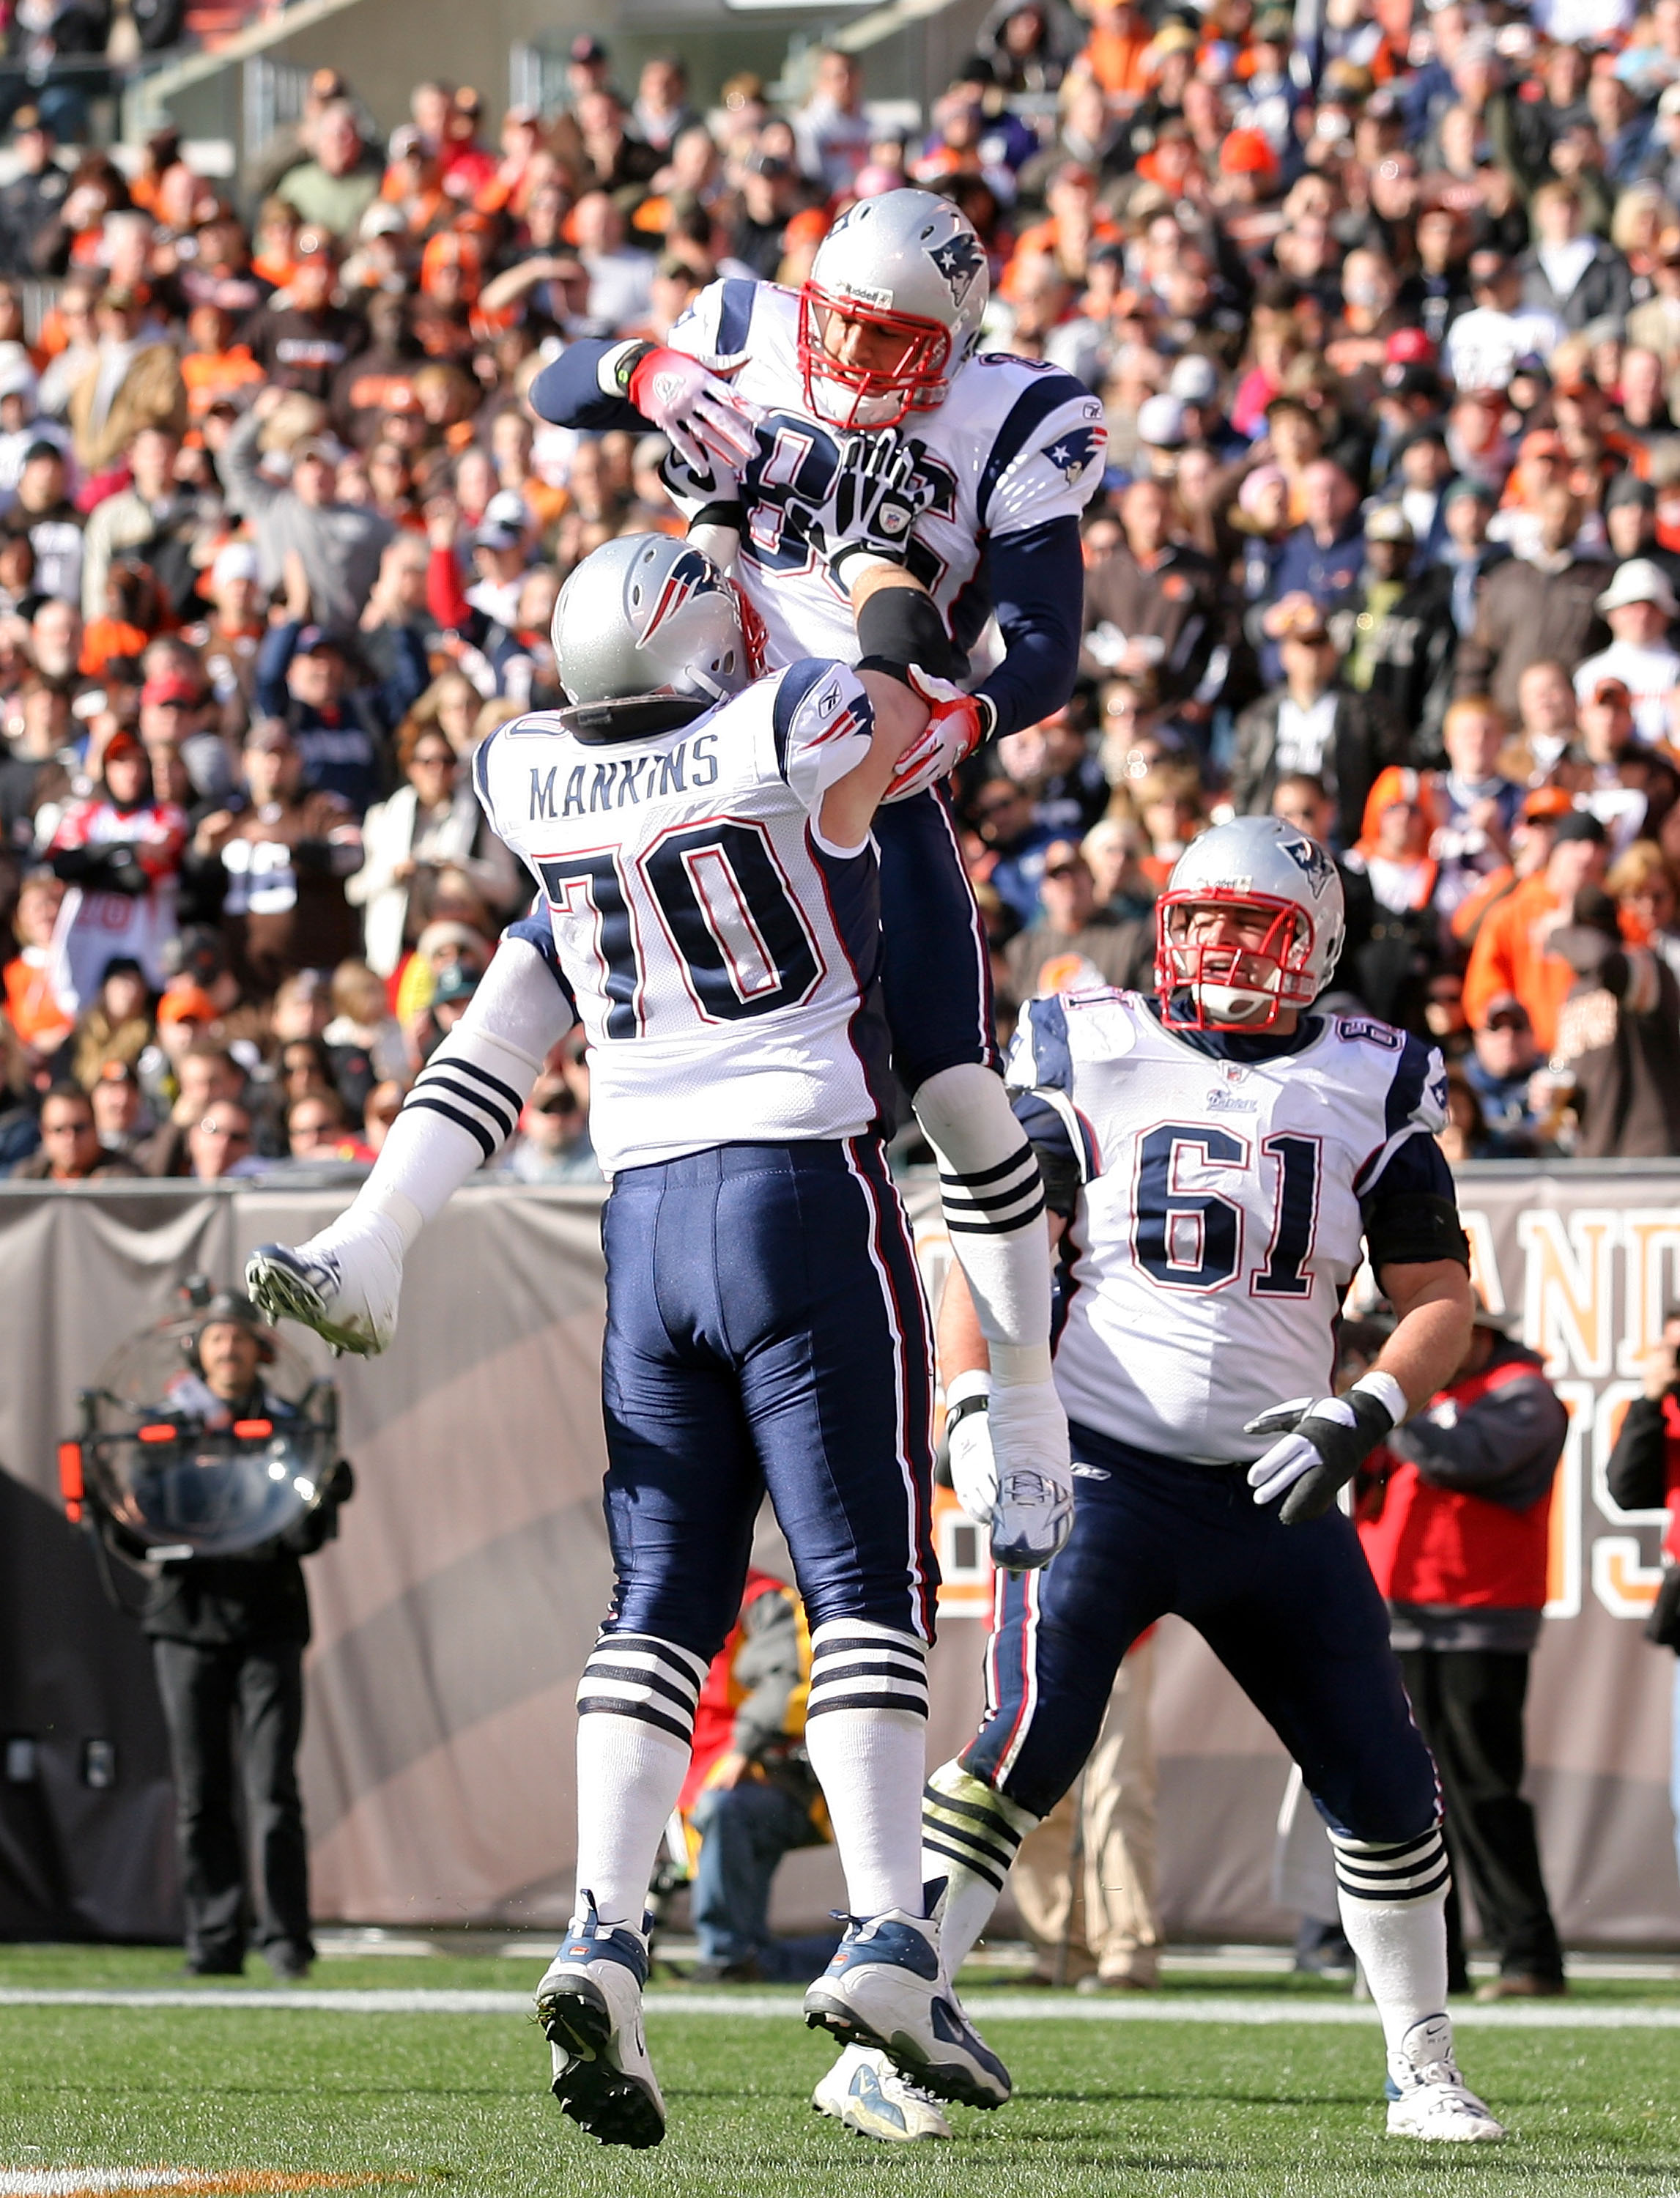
{"x":1036,"y":583}
{"x":537,"y":931}
{"x":1061,"y":1162}
{"x":568,"y":394}
{"x":1410,"y":1219}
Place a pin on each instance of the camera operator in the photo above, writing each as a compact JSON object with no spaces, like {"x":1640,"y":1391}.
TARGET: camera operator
{"x":228,"y":1637}
{"x":1644,"y":1475}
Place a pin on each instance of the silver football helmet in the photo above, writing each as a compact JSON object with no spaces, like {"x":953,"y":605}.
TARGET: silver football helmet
{"x":650,"y":616}
{"x":891,"y":309}
{"x":1288,"y":884}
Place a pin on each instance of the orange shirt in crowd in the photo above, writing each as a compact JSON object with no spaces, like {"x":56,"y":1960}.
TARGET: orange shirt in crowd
{"x":1510,"y":956}
{"x":1117,"y":63}
{"x":211,"y":375}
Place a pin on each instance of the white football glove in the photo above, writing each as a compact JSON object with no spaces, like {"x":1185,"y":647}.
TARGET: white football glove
{"x":875,"y":500}
{"x":1009,"y":1467}
{"x":696,"y":413}
{"x":957,"y":724}
{"x":1324,"y":1441}
{"x":695,"y":489}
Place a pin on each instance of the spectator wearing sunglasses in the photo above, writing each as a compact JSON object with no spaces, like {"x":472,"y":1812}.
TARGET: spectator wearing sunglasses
{"x":1076,"y":942}
{"x":430,"y":825}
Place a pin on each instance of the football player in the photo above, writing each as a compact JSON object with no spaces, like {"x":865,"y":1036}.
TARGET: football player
{"x":1221,"y":1156}
{"x":885,"y":490}
{"x":712,"y":916}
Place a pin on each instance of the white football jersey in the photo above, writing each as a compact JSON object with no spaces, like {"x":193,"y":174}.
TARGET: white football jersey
{"x":720,"y":954}
{"x":1015,"y":445}
{"x":1219,"y":1221}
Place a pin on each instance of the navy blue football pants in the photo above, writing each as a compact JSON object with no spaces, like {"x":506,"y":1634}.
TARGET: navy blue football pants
{"x":765,"y":1329}
{"x":935,"y":970}
{"x":1291,"y":1612}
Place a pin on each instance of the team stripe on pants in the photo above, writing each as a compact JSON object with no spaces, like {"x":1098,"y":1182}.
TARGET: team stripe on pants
{"x":857,"y":1664}
{"x":635,"y":1675}
{"x":1409,"y":1870}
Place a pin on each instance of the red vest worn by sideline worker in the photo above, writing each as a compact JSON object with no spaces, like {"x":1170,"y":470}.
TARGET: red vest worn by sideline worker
{"x":1438,"y":1546}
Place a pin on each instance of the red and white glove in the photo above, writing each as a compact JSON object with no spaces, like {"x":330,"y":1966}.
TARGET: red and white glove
{"x":696,"y":412}
{"x":957,"y":724}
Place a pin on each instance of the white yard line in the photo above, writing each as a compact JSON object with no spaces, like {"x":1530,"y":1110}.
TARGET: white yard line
{"x":992,"y":2007}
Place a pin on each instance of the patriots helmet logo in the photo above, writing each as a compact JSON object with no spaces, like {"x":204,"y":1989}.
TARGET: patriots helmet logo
{"x":960,"y":261}
{"x":1311,"y":859}
{"x":691,"y":576}
{"x":1072,"y":454}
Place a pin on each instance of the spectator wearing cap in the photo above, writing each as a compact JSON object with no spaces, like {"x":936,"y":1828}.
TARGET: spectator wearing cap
{"x":1500,"y":1070}
{"x":1543,"y":602}
{"x":302,"y":338}
{"x":1630,"y":523}
{"x":1194,"y":382}
{"x":1155,"y":605}
{"x":1502,"y":326}
{"x":1512,"y":950}
{"x":337,"y":545}
{"x":1639,"y":605}
{"x":485,"y":614}
{"x":1454,"y":1515}
{"x":70,"y":1150}
{"x":1312,"y":723}
{"x":1404,"y":638}
{"x":41,"y":509}
{"x":174,"y":720}
{"x":134,"y":383}
{"x":1076,"y":943}
{"x":283,"y":857}
{"x":1466,"y":553}
{"x":305,"y":682}
{"x":1321,"y":562}
{"x":334,"y":191}
{"x":116,"y":1026}
{"x":553,"y":1141}
{"x":153,"y":515}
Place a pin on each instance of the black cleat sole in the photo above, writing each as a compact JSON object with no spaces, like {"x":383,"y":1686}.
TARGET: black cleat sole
{"x":609,"y":2106}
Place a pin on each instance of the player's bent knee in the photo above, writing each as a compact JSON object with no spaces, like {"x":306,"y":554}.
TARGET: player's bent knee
{"x":1390,"y":1873}
{"x":638,"y":1675}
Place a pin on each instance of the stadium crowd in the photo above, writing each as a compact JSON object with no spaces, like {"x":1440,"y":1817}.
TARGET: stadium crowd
{"x":1385,"y":324}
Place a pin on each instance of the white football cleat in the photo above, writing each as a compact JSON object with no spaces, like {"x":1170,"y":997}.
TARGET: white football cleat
{"x":1033,"y":1514}
{"x":343,"y":1283}
{"x":866,"y":2092}
{"x":885,"y":1988}
{"x":1429,"y":2099}
{"x":589,"y":2006}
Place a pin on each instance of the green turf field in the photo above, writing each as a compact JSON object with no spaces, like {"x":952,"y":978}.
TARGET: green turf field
{"x":456,"y":2103}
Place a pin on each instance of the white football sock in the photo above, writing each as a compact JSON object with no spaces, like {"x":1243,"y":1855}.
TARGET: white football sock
{"x":635,"y":1721}
{"x":466,"y":1100}
{"x":993,"y":1198}
{"x":969,"y":1835}
{"x":866,"y":1732}
{"x":1393,"y":1901}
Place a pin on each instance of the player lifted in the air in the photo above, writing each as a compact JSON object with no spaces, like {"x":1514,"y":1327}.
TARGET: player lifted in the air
{"x":711,"y":913}
{"x":1222,"y":1155}
{"x":889,"y":491}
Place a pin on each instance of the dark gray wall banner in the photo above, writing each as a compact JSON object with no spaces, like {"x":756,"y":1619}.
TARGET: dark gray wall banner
{"x":453,"y":1615}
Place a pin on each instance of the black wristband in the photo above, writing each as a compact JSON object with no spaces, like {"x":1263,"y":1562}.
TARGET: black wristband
{"x":720,"y":513}
{"x":960,"y":1410}
{"x":898,"y":627}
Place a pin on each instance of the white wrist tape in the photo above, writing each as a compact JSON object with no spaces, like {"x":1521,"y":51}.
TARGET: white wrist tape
{"x":1387,"y":1392}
